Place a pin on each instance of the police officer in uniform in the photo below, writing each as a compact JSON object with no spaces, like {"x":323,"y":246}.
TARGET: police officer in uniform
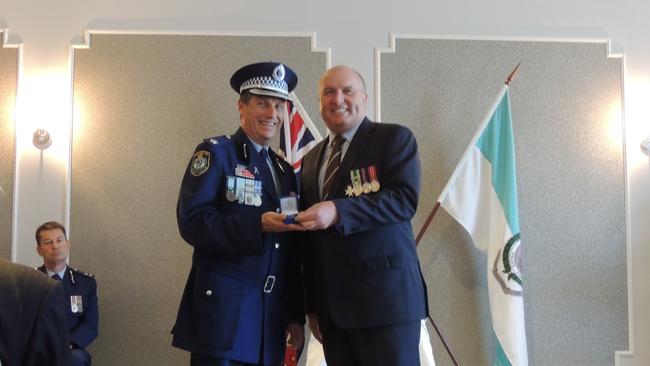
{"x":80,"y":290}
{"x":243,"y":293}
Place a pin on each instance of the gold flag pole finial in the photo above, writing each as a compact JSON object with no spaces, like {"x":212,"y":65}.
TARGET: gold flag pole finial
{"x":512,"y":74}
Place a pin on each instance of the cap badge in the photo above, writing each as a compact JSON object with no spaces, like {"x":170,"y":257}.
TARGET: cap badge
{"x":278,"y":72}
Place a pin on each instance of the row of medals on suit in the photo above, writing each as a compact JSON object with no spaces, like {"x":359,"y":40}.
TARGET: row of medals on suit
{"x":364,"y":181}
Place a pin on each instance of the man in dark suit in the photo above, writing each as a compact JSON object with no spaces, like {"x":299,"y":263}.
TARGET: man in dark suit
{"x":32,"y":321}
{"x":244,"y":289}
{"x":80,"y":290}
{"x":364,"y":290}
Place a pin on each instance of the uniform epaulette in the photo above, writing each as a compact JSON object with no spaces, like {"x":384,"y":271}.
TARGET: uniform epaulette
{"x":218,"y":140}
{"x":79,"y":272}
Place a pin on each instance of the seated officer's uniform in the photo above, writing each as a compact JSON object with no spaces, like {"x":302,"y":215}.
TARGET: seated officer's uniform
{"x":80,"y":301}
{"x":244,"y":285}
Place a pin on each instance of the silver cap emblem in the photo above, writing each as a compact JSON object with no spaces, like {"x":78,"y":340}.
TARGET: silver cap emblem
{"x":278,"y":72}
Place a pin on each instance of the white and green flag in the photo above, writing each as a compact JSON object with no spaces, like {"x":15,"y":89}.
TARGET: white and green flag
{"x":482,"y":196}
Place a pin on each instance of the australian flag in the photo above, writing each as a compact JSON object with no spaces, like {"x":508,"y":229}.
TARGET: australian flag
{"x":300,"y":132}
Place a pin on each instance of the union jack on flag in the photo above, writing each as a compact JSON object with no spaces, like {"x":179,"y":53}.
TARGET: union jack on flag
{"x":301,"y":133}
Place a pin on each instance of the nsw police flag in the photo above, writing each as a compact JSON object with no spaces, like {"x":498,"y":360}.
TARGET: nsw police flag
{"x":482,"y":196}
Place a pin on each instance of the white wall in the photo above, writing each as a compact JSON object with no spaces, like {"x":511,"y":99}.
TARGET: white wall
{"x":46,"y":30}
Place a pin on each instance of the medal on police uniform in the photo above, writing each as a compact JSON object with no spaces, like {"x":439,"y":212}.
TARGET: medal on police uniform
{"x":244,"y":191}
{"x":257,"y":200}
{"x":76,"y":304}
{"x":239,"y":189}
{"x":374,"y":182}
{"x":230,"y":189}
{"x":249,"y":192}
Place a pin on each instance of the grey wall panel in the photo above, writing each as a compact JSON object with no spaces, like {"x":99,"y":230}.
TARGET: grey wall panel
{"x":8,"y":82}
{"x":142,"y":103}
{"x":565,"y":103}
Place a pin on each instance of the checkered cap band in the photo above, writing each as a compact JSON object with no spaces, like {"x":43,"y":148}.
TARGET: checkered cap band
{"x":265,"y":82}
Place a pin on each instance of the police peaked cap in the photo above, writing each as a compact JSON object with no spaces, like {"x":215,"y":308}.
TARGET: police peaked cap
{"x":271,"y":79}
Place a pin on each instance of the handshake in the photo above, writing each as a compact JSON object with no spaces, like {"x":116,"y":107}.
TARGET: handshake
{"x":317,"y":217}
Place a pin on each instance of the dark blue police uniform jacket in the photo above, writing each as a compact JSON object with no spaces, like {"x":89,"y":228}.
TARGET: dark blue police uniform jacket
{"x":244,"y":286}
{"x":80,"y":290}
{"x":364,"y":272}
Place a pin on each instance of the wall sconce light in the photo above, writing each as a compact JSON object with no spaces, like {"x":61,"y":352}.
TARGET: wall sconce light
{"x":42,"y":139}
{"x":645,"y":145}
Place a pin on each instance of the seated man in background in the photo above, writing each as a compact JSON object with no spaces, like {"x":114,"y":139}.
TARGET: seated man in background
{"x":80,"y":289}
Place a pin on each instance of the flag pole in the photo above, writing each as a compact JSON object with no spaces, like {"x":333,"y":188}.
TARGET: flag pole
{"x":512,"y":74}
{"x":444,"y":341}
{"x":435,"y":326}
{"x":427,"y":222}
{"x":435,"y":208}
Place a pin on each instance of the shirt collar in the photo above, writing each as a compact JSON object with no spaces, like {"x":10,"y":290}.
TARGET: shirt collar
{"x":348,"y":135}
{"x":61,"y":274}
{"x":257,"y":146}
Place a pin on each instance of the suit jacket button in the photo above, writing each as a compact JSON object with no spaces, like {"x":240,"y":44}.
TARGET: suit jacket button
{"x":209,"y":292}
{"x":277,"y":245}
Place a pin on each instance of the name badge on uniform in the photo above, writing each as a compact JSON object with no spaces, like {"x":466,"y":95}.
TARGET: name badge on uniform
{"x":242,"y":171}
{"x":76,"y":304}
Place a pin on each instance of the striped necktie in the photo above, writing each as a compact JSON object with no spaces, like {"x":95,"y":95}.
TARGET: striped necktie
{"x":332,"y":165}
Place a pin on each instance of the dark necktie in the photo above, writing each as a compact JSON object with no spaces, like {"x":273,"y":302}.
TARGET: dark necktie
{"x":332,"y":165}
{"x":264,"y":153}
{"x":56,"y":277}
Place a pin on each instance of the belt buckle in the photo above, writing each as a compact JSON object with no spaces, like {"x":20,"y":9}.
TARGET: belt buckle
{"x":268,"y":285}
